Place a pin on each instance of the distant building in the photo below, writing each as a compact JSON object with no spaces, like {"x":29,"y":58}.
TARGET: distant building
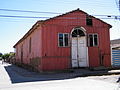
{"x":71,"y":40}
{"x":115,"y":45}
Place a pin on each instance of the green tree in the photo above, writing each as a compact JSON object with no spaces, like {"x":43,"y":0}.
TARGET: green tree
{"x":1,"y":54}
{"x":5,"y":57}
{"x":8,"y":56}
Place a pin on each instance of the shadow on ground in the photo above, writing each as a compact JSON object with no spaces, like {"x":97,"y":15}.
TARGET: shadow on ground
{"x":20,"y":75}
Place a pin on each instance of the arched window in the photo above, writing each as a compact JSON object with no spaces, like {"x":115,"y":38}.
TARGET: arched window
{"x":78,"y":32}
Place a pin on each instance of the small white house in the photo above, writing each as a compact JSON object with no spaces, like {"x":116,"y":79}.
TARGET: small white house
{"x":115,"y":49}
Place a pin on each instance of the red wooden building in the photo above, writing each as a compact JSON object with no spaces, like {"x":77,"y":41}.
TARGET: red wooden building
{"x":71,"y":40}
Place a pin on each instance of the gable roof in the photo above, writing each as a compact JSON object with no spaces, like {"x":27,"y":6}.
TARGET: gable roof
{"x":38,"y":22}
{"x":73,"y":12}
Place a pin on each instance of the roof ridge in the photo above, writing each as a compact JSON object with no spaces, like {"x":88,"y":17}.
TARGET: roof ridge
{"x":37,"y":23}
{"x":65,"y":14}
{"x":72,"y":12}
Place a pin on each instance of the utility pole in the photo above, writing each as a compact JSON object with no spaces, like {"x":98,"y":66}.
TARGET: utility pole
{"x":119,"y":5}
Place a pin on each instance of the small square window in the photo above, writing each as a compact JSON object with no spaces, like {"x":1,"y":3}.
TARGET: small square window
{"x":92,"y":40}
{"x":89,"y":21}
{"x":63,"y":39}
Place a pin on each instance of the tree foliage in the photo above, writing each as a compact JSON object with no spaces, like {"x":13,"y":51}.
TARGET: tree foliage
{"x":7,"y":56}
{"x":1,"y":54}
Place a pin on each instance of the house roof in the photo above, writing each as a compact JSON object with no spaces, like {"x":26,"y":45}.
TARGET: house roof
{"x":75,"y":11}
{"x":38,"y":23}
{"x":116,"y":41}
{"x":28,"y":33}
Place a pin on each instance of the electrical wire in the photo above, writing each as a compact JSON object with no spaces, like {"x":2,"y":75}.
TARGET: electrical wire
{"x":10,"y":16}
{"x":13,"y":10}
{"x":46,"y":12}
{"x":26,"y":17}
{"x":119,"y":6}
{"x":116,"y":3}
{"x":28,"y":11}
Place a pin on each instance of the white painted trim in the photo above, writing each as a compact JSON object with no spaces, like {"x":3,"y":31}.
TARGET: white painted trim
{"x":63,"y":40}
{"x":93,"y":39}
{"x":87,"y":58}
{"x":111,"y":57}
{"x":83,"y":29}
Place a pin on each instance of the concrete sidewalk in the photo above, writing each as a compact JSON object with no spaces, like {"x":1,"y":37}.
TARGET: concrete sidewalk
{"x":4,"y":77}
{"x":19,"y":75}
{"x":84,"y":72}
{"x":16,"y":78}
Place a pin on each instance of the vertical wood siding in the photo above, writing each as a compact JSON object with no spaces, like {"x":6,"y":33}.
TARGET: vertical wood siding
{"x":45,"y":42}
{"x":60,"y":25}
{"x":36,"y":48}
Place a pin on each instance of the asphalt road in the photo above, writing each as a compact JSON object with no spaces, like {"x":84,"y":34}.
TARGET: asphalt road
{"x":15,"y":78}
{"x":105,"y":78}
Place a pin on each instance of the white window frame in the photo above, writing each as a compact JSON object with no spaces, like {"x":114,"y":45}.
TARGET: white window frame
{"x":63,"y":40}
{"x":93,"y":40}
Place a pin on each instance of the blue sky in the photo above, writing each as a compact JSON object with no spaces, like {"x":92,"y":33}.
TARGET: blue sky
{"x":12,"y":29}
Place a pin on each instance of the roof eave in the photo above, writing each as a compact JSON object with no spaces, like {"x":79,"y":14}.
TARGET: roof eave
{"x":28,"y":33}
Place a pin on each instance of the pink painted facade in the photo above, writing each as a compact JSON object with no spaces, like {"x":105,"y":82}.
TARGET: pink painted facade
{"x":40,"y":46}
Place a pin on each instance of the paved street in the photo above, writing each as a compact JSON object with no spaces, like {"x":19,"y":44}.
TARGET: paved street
{"x":108,"y":78}
{"x":15,"y":78}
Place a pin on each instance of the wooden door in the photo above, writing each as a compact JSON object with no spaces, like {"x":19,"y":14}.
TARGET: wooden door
{"x":79,"y":52}
{"x":82,"y":52}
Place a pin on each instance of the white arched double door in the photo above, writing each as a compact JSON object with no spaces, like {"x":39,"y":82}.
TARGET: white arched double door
{"x":79,"y":49}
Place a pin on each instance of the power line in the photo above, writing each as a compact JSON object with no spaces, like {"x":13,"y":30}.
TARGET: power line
{"x":9,"y":16}
{"x":116,"y":3}
{"x":28,"y":11}
{"x":30,"y":17}
{"x":119,"y":5}
{"x":13,"y":10}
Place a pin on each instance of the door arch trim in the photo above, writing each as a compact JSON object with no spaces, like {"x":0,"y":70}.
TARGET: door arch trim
{"x":81,"y":28}
{"x":84,"y":31}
